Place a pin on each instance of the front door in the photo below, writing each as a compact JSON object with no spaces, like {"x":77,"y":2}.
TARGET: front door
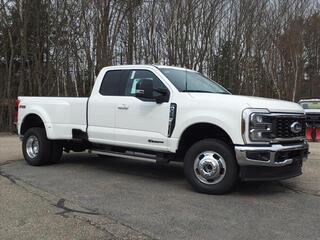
{"x":141,"y":124}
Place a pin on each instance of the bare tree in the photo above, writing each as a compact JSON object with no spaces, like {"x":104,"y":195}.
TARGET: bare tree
{"x":266,"y":48}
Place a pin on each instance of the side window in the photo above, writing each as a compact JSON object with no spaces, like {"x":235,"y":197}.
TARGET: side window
{"x":135,"y":76}
{"x":113,"y":83}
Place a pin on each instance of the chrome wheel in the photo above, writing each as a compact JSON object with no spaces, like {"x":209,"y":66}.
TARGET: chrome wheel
{"x":32,"y":146}
{"x":209,"y":167}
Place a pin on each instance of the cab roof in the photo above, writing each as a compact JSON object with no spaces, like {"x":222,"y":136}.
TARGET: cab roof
{"x":149,"y":65}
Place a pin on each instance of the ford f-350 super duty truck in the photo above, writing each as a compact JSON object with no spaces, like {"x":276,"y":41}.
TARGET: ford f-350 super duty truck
{"x":169,"y":114}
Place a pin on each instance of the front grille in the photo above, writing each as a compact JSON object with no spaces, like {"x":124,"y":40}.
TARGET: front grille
{"x":282,"y":126}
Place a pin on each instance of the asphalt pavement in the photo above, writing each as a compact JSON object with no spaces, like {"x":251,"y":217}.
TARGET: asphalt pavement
{"x":88,"y":197}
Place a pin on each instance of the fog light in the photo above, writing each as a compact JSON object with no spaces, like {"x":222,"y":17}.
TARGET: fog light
{"x":258,"y":155}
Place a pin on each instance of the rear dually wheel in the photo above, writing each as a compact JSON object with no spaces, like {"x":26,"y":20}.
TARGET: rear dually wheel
{"x":38,"y":149}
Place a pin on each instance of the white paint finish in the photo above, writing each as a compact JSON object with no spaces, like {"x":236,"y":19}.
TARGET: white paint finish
{"x":101,"y":118}
{"x":223,"y":110}
{"x":145,"y":120}
{"x":209,"y":108}
{"x":140,"y":122}
{"x":59,"y":114}
{"x":98,"y":135}
{"x":136,"y":139}
{"x":62,"y":131}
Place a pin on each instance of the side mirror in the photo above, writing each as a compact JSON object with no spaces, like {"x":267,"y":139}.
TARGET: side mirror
{"x":163,"y":95}
{"x":144,"y":89}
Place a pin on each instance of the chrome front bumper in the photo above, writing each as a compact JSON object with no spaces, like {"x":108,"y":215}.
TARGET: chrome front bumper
{"x":276,"y":155}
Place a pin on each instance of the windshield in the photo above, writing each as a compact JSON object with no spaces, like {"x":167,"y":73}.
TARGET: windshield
{"x":188,"y":81}
{"x":310,"y":105}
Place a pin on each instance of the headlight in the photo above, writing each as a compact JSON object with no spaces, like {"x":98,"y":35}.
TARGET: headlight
{"x":257,"y":126}
{"x":260,"y":127}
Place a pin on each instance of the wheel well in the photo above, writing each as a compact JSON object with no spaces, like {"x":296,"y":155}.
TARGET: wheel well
{"x":200,"y":131}
{"x":30,"y":121}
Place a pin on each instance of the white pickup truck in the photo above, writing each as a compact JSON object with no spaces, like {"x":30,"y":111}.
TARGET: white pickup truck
{"x":169,"y":114}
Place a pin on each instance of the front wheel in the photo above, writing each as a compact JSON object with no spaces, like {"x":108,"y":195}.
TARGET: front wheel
{"x":210,"y":167}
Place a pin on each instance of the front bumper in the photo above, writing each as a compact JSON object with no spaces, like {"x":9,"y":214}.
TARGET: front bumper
{"x":277,"y":161}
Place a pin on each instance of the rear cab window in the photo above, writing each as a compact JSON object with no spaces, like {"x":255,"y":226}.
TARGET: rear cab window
{"x":113,"y":83}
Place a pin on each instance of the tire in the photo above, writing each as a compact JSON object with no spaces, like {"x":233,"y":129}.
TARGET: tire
{"x":38,"y":150}
{"x":210,"y":167}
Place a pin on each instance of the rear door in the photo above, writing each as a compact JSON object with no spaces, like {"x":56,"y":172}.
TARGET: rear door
{"x":101,"y":107}
{"x":141,"y":124}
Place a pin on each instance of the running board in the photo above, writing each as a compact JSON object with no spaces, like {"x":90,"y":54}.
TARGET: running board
{"x":133,"y":155}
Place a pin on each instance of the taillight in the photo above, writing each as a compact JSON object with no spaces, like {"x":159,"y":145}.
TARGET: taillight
{"x":15,"y":114}
{"x":17,"y":104}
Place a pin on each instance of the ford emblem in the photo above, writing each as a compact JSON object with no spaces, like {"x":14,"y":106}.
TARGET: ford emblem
{"x":296,"y":127}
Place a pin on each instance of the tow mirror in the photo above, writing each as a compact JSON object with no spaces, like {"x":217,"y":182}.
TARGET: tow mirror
{"x":144,"y":89}
{"x":163,"y":95}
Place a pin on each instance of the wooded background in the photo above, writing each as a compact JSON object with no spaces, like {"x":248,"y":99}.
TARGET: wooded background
{"x":265,"y":48}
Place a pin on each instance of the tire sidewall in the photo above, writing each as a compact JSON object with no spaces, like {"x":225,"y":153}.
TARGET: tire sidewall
{"x":231,"y":175}
{"x":44,"y":147}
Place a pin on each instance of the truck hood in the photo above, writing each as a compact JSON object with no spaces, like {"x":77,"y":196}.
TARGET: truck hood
{"x":273,"y":105}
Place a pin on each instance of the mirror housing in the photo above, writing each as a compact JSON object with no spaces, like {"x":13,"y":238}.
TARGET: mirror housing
{"x":163,"y":97}
{"x":144,"y":89}
{"x":145,"y":92}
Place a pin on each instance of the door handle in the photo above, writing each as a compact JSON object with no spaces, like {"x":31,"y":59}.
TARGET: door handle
{"x":123,"y":107}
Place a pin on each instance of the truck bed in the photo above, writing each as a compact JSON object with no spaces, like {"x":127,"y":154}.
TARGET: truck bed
{"x":59,"y":114}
